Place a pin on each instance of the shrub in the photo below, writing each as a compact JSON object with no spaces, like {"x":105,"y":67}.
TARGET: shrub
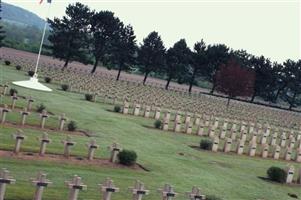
{"x":65,"y":87}
{"x":212,"y":197}
{"x":117,"y":109}
{"x":276,"y":174}
{"x":41,"y":107}
{"x":206,"y":144}
{"x":88,"y":97}
{"x":127,"y":157}
{"x":7,"y":62}
{"x":30,"y":73}
{"x":18,"y":67}
{"x":72,"y":126}
{"x":12,"y":91}
{"x":158,"y":124}
{"x":47,"y":79}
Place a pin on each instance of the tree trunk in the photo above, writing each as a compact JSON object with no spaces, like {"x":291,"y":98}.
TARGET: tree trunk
{"x":167,"y":83}
{"x":145,"y":77}
{"x":95,"y":65}
{"x":66,"y":63}
{"x":213,"y":88}
{"x":119,"y":72}
{"x":228,"y":102}
{"x":293,"y":101}
{"x":192,"y":80}
{"x":278,"y":92}
{"x":253,"y":96}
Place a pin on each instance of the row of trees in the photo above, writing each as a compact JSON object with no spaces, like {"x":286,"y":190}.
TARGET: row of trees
{"x":102,"y":37}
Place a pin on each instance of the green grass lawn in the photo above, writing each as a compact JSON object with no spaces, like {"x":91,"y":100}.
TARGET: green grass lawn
{"x":228,"y":176}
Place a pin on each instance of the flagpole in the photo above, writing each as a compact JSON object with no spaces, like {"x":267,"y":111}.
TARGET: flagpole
{"x":42,"y":41}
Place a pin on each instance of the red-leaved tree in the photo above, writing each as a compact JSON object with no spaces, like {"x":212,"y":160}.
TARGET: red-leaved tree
{"x":234,"y":80}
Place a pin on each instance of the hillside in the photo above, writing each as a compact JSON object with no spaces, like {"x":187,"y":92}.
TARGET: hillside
{"x":17,"y":15}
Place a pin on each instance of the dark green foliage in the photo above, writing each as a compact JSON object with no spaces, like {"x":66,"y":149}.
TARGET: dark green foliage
{"x":127,"y":157}
{"x":158,"y":124}
{"x":18,"y":67}
{"x":69,"y":35}
{"x":41,"y":107}
{"x":177,"y":61}
{"x":117,"y":108}
{"x":123,"y":53}
{"x":212,"y":197}
{"x":89,"y":97}
{"x":13,"y":91}
{"x":277,"y":174}
{"x":65,"y":87}
{"x":72,"y":126}
{"x":7,"y":62}
{"x":47,"y":79}
{"x":206,"y":144}
{"x":30,"y":73}
{"x":104,"y":28}
{"x":151,"y":55}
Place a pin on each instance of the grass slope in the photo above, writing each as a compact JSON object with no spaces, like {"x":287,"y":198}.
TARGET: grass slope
{"x":228,"y":176}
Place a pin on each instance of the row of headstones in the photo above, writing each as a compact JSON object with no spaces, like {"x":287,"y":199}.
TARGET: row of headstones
{"x":253,"y":147}
{"x":188,"y":120}
{"x":153,"y":95}
{"x":107,"y":188}
{"x":25,"y":113}
{"x":68,"y":143}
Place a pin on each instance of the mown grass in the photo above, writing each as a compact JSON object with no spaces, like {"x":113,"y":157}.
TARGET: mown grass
{"x":167,"y":155}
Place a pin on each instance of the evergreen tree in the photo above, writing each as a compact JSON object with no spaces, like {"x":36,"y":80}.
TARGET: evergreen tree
{"x":69,"y":35}
{"x":151,"y":55}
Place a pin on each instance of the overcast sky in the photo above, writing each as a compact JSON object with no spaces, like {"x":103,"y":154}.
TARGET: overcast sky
{"x":262,"y":27}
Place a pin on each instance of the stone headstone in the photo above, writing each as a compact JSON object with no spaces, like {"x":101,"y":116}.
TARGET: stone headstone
{"x":215,"y":144}
{"x":14,"y":100}
{"x":19,"y":137}
{"x":75,"y":185}
{"x":290,"y":170}
{"x":68,"y":143}
{"x":4,"y":112}
{"x":138,"y":190}
{"x":265,"y":151}
{"x":108,"y":188}
{"x":4,"y":180}
{"x":29,"y":103}
{"x":137,"y":110}
{"x":196,"y":194}
{"x":240,"y":147}
{"x":277,"y":152}
{"x":288,"y":153}
{"x":43,"y":116}
{"x":62,"y":121}
{"x":126,"y":106}
{"x":168,"y":192}
{"x":252,"y":149}
{"x":115,"y":149}
{"x":228,"y":145}
{"x":40,"y":182}
{"x":157,"y":113}
{"x":44,"y":141}
{"x":92,"y":146}
{"x":24,"y":115}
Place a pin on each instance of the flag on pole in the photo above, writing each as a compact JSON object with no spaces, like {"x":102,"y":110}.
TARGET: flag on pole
{"x":48,"y":1}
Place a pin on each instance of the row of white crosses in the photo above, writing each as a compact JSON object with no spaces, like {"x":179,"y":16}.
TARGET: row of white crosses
{"x":265,"y":148}
{"x":82,"y":73}
{"x":107,"y":188}
{"x":191,"y":103}
{"x":24,"y":114}
{"x":68,"y":144}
